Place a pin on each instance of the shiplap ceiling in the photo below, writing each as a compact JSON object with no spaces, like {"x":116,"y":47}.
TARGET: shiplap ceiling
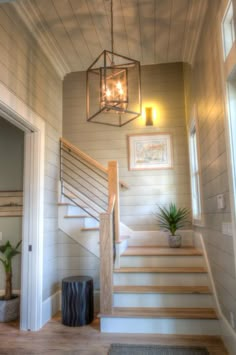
{"x":152,"y":31}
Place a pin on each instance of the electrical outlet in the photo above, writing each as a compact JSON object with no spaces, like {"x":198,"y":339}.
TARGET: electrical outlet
{"x":232,"y":319}
{"x":220,"y":201}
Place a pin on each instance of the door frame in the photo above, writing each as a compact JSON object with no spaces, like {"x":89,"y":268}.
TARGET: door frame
{"x":19,"y":114}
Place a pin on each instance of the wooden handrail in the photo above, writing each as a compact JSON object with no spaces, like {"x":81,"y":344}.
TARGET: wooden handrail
{"x":89,"y":159}
{"x":83,"y":155}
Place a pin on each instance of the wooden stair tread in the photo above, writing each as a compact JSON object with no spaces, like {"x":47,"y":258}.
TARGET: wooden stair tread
{"x":175,"y":270}
{"x":77,"y":216}
{"x":161,"y":251}
{"x":90,"y":229}
{"x":148,"y":312}
{"x":163,"y":289}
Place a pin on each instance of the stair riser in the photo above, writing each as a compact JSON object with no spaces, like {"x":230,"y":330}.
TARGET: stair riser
{"x":160,"y":326}
{"x":75,"y":211}
{"x":162,"y":300}
{"x":150,"y":238}
{"x":160,"y":279}
{"x":72,"y":227}
{"x":159,"y":261}
{"x":90,"y":223}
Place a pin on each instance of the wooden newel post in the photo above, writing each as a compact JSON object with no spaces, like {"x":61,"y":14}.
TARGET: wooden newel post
{"x":113,"y":189}
{"x":106,"y":263}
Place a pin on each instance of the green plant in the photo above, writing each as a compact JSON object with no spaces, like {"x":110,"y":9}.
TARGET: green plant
{"x":172,"y":218}
{"x":8,"y":252}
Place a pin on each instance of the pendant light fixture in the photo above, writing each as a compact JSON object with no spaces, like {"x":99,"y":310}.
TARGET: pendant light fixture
{"x":113,"y":87}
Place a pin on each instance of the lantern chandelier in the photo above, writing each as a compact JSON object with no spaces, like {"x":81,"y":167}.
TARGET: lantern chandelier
{"x":113,"y":87}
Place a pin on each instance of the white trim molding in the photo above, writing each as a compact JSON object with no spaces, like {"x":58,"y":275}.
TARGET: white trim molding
{"x":227,"y":333}
{"x":51,"y":306}
{"x":18,"y":113}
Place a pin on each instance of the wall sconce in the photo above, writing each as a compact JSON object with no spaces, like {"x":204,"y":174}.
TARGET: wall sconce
{"x":149,"y":117}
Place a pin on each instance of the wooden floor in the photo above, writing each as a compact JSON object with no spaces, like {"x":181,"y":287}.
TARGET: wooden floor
{"x":56,"y":338}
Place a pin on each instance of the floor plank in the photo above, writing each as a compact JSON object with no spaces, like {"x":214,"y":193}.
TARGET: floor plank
{"x":57,"y":339}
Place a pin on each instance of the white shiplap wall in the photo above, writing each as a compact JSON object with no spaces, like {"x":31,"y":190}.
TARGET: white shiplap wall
{"x":162,"y":86}
{"x":205,"y":89}
{"x":25,"y":70}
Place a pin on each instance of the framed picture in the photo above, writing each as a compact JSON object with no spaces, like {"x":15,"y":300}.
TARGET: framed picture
{"x":11,"y":203}
{"x":150,"y":151}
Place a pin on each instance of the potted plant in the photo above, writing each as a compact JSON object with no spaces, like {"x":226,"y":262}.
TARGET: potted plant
{"x":171,"y":219}
{"x":9,"y":303}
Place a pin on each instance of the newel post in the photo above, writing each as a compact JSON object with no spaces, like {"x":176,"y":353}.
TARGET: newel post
{"x":113,"y":189}
{"x":106,"y":263}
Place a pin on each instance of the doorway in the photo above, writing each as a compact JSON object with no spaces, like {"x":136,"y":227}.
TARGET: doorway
{"x":19,"y":114}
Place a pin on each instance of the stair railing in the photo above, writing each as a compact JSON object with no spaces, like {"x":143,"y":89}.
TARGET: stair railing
{"x":83,"y":180}
{"x":95,"y":189}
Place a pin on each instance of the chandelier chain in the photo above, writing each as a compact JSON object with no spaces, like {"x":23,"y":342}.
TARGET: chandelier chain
{"x":112,"y":34}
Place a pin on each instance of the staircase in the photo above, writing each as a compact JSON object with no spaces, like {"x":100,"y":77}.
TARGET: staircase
{"x":161,"y":290}
{"x":150,"y":288}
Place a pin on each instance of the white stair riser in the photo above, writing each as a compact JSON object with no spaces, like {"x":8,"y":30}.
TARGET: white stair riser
{"x":159,"y":261}
{"x":149,"y":238}
{"x":72,"y":227}
{"x":90,"y":222}
{"x":159,"y":326}
{"x":162,"y":300}
{"x":87,"y":222}
{"x":160,"y":279}
{"x":75,"y":211}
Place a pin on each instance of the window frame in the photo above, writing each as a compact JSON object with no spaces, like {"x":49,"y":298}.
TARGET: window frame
{"x":195,"y":170}
{"x":228,"y":29}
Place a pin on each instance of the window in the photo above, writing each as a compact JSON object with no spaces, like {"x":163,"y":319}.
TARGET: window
{"x":195,"y":176}
{"x":228,"y":29}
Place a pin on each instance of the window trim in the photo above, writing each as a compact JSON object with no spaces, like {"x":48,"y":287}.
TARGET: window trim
{"x":228,"y":30}
{"x":193,"y":126}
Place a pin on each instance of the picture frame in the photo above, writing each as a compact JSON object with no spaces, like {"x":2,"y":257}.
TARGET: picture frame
{"x":11,"y":203}
{"x":150,"y":151}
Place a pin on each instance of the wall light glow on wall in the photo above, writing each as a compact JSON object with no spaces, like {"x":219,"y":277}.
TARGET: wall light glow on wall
{"x":149,"y":115}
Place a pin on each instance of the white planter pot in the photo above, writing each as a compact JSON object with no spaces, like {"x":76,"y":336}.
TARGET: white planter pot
{"x":9,"y":309}
{"x":175,"y":241}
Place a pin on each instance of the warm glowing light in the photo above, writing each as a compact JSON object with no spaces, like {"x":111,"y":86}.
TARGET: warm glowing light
{"x":119,"y":85}
{"x":156,"y":113}
{"x":108,"y":93}
{"x":149,"y":116}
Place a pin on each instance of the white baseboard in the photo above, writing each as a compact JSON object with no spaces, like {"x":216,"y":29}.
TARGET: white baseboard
{"x":53,"y":304}
{"x":50,"y":307}
{"x":227,"y":333}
